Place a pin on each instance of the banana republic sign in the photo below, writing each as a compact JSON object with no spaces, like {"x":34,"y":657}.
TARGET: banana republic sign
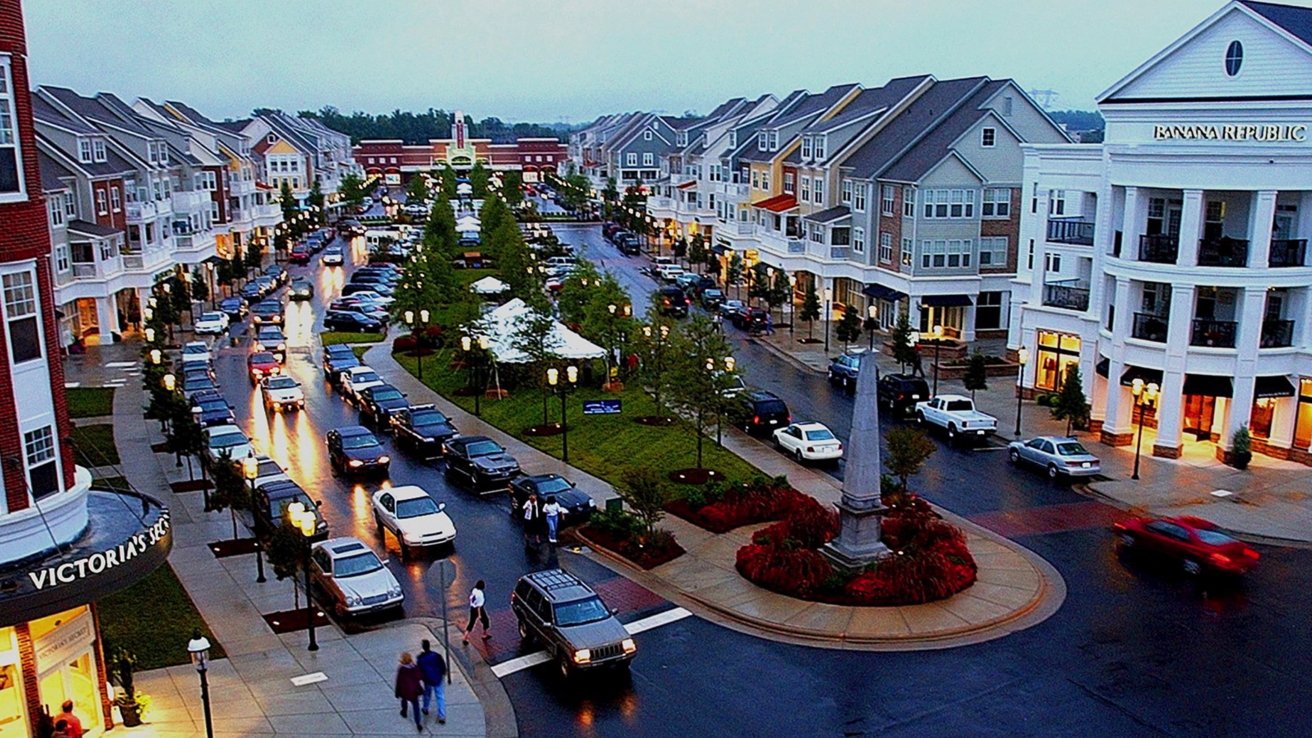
{"x":1264,"y":133}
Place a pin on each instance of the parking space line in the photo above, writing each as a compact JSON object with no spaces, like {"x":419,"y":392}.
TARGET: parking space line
{"x":528,"y":661}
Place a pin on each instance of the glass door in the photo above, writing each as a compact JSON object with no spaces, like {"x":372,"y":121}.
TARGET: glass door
{"x":75,"y":680}
{"x":1198,"y":413}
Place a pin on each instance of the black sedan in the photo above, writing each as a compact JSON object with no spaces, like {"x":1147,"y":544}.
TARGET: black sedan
{"x":267,"y":313}
{"x":336,"y":363}
{"x":480,"y":462}
{"x":349,"y":320}
{"x":576,"y":506}
{"x":423,"y":429}
{"x":354,"y":450}
{"x":210,"y":408}
{"x":234,"y":307}
{"x":270,"y":507}
{"x":377,"y":404}
{"x":301,"y":289}
{"x":252,"y":293}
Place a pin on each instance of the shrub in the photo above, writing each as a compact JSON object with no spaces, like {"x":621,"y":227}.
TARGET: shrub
{"x":404,"y":344}
{"x":795,"y":572}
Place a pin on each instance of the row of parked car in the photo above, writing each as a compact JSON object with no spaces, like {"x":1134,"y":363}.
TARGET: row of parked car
{"x":623,"y":239}
{"x":365,"y":300}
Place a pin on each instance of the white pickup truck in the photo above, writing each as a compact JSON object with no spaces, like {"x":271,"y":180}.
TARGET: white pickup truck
{"x":957,"y":416}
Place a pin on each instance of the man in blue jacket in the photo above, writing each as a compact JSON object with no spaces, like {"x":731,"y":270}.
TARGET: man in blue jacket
{"x":433,"y":670}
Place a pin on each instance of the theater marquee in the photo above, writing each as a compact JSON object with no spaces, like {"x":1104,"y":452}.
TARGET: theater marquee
{"x":1230,"y":133}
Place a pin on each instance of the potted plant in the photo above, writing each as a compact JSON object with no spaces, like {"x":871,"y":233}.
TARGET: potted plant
{"x":1241,"y":448}
{"x":122,"y":663}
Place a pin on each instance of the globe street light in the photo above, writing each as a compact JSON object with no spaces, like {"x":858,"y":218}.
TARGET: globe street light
{"x":829,"y":316}
{"x":553,"y":380}
{"x":1022,"y":358}
{"x":199,"y":650}
{"x":304,"y":523}
{"x":416,"y":330}
{"x":155,"y":356}
{"x":170,"y":382}
{"x":872,"y":314}
{"x":250,"y":469}
{"x":937,"y":335}
{"x":475,"y":359}
{"x":1145,"y":395}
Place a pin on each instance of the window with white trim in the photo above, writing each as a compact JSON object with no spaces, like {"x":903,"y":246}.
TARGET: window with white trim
{"x":84,"y":150}
{"x":819,"y":147}
{"x":115,"y":199}
{"x":1029,"y":264}
{"x":818,"y":191}
{"x":774,"y":140}
{"x":806,"y":189}
{"x":993,"y":251}
{"x":206,"y":181}
{"x":63,"y":258}
{"x":885,"y":247}
{"x":648,"y":159}
{"x":214,"y":212}
{"x":907,"y":247}
{"x":859,"y":197}
{"x":988,"y":137}
{"x":56,"y":205}
{"x":948,"y":203}
{"x":42,"y":472}
{"x":733,"y":139}
{"x":1052,"y":262}
{"x":761,"y":141}
{"x":102,"y":203}
{"x":646,"y":135}
{"x":765,"y":180}
{"x":70,"y":205}
{"x":21,"y":316}
{"x":11,"y":170}
{"x":756,"y":180}
{"x":631,"y":159}
{"x":908,"y":202}
{"x":1056,"y":202}
{"x":859,"y":240}
{"x":681,"y":138}
{"x":997,"y":203}
{"x":98,"y":150}
{"x":951,"y":253}
{"x":846,"y":197}
{"x":789,"y":182}
{"x":887,"y":199}
{"x":817,"y":233}
{"x":806,"y":147}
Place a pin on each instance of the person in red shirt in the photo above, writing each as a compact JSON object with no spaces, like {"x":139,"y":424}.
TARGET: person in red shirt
{"x":74,"y":724}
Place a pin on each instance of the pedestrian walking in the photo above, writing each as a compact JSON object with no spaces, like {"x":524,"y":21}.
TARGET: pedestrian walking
{"x":552,"y":512}
{"x":74,"y":728}
{"x":718,"y":320}
{"x":917,"y":369}
{"x":409,"y":685}
{"x":477,"y":612}
{"x":769,"y":325}
{"x":433,"y":670}
{"x":533,"y":520}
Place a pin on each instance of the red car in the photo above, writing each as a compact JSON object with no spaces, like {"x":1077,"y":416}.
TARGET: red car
{"x":300,"y":254}
{"x":1198,"y":544}
{"x":262,"y":364}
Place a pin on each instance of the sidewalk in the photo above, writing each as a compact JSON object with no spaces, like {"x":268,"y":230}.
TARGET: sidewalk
{"x":1271,"y":501}
{"x":251,"y":689}
{"x":1016,"y":588}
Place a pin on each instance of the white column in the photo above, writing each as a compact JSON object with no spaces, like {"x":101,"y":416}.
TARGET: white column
{"x":107,"y":316}
{"x":1251,"y":308}
{"x":1191,"y":227}
{"x":1263,"y":216}
{"x":1180,"y":322}
{"x":1170,"y":414}
{"x":1134,"y":223}
{"x":1282,"y":424}
{"x":1240,"y":408}
{"x":968,"y":321}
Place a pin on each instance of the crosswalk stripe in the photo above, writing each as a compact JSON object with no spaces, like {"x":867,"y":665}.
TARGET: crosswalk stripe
{"x":528,"y":661}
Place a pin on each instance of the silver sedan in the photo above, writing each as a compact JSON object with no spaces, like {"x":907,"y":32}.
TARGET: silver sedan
{"x":1058,"y":455}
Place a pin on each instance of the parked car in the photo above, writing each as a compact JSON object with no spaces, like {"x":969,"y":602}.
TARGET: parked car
{"x":276,"y":272}
{"x":282,"y":393}
{"x":844,"y":368}
{"x":751,"y":319}
{"x":413,"y":516}
{"x":423,"y":429}
{"x":1197,"y":544}
{"x":668,"y":273}
{"x":576,"y":506}
{"x":671,"y":302}
{"x":336,"y":362}
{"x":808,"y":442}
{"x":377,"y":403}
{"x":899,"y":393}
{"x":268,"y":312}
{"x":198,"y":383}
{"x":261,"y":364}
{"x":270,"y":338}
{"x":195,"y":351}
{"x":301,"y":289}
{"x":353,"y":577}
{"x":711,"y":298}
{"x":358,"y":378}
{"x":299,"y":254}
{"x":351,"y":321}
{"x":354,"y":450}
{"x":252,"y":292}
{"x":957,"y":416}
{"x":760,"y":412}
{"x":628,"y":244}
{"x":481,"y":462}
{"x":571,"y":622}
{"x":378,"y":288}
{"x":267,"y":470}
{"x":226,"y":441}
{"x":1057,"y":455}
{"x":234,"y":307}
{"x":372,"y":297}
{"x":270,"y":503}
{"x":332,"y":256}
{"x":212,"y":323}
{"x":731,"y":309}
{"x":210,"y":408}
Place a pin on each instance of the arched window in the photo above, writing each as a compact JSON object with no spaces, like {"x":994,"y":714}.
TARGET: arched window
{"x":1234,"y":58}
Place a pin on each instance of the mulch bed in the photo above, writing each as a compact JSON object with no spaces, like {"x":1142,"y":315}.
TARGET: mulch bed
{"x":647,"y":557}
{"x":238,"y":547}
{"x":160,"y":448}
{"x":659,"y":421}
{"x":290,"y":621}
{"x":810,"y":340}
{"x":193,"y":485}
{"x":539,"y":431}
{"x":695,"y":476}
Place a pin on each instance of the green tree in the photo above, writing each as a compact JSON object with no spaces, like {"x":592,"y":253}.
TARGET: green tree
{"x":230,"y":491}
{"x":733,"y":275}
{"x":904,"y":353}
{"x":697,"y":251}
{"x":576,"y":292}
{"x":287,"y":552}
{"x":440,"y":230}
{"x":976,"y":376}
{"x":512,"y":188}
{"x":535,"y":337}
{"x":513,"y":262}
{"x":655,"y":343}
{"x":254,"y":256}
{"x":1071,"y":405}
{"x":416,"y":192}
{"x":908,"y":449}
{"x":478,"y":180}
{"x":759,"y":286}
{"x":287,"y":201}
{"x":849,"y":326}
{"x":179,"y":293}
{"x":599,"y":324}
{"x":810,"y":309}
{"x":646,"y":493}
{"x":609,"y":194}
{"x":352,"y":189}
{"x":315,"y":200}
{"x":780,"y":292}
{"x":200,"y":289}
{"x":491,"y":216}
{"x":576,"y":191}
{"x":700,"y":378}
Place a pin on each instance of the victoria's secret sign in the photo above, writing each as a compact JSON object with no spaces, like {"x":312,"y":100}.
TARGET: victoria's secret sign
{"x":102,"y":561}
{"x":1230,"y":133}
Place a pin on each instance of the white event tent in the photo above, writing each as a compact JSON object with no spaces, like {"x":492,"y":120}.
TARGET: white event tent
{"x":489,"y":286}
{"x":501,"y":323}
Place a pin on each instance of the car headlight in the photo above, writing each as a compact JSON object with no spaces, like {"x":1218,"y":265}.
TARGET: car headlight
{"x":592,"y":502}
{"x":384,"y":459}
{"x":355,"y":462}
{"x":282,"y":347}
{"x":629,"y":645}
{"x":395,"y":591}
{"x":582,"y":656}
{"x":353,"y":600}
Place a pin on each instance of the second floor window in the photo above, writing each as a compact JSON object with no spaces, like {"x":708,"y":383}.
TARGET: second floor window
{"x":84,"y":150}
{"x":846,"y":196}
{"x":102,"y":203}
{"x":21,"y":315}
{"x":11,"y":179}
{"x":631,"y":159}
{"x":859,"y":197}
{"x":887,"y":198}
{"x":806,"y":189}
{"x":997,"y":203}
{"x":886,"y":247}
{"x":818,"y":192}
{"x":948,"y":203}
{"x":859,"y":240}
{"x":908,"y":202}
{"x":988,"y":137}
{"x":789,"y":182}
{"x":806,"y":147}
{"x":993,"y":251}
{"x":115,"y":199}
{"x":56,"y":205}
{"x":648,"y":159}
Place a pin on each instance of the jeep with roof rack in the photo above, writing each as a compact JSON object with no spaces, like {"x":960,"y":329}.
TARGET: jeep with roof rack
{"x":575,"y":627}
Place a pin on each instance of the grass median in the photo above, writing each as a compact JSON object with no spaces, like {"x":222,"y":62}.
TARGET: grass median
{"x":602,"y":445}
{"x":94,"y":445}
{"x":332,"y":338}
{"x":161,"y":639}
{"x":90,"y":402}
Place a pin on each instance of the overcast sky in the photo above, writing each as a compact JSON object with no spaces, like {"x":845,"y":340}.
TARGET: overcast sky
{"x":574,"y":59}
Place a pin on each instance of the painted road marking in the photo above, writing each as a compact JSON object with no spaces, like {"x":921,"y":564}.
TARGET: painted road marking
{"x":520,"y":663}
{"x":305,"y":679}
{"x":120,"y":364}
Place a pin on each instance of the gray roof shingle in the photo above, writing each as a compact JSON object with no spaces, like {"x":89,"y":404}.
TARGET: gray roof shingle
{"x":1296,"y":20}
{"x":921,"y":116}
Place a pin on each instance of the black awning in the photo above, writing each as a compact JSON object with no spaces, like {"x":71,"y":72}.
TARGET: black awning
{"x":719,"y":249}
{"x":1278,"y":386}
{"x":945,"y":300}
{"x":1103,"y":367}
{"x":880,"y":292}
{"x":215,"y":259}
{"x":1208,"y":385}
{"x":1131,"y":373}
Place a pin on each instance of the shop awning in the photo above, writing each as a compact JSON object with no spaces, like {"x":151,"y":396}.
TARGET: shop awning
{"x":777,"y":204}
{"x":1208,"y":385}
{"x":720,"y":249}
{"x":1278,"y":386}
{"x":945,"y":300}
{"x":688,"y":185}
{"x":1149,"y":376}
{"x":1103,"y":367}
{"x":880,"y":292}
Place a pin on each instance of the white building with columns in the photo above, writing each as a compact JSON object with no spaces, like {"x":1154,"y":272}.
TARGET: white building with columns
{"x":1176,"y":252}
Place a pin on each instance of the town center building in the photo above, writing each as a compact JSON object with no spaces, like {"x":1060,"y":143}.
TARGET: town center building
{"x":1175,"y":252}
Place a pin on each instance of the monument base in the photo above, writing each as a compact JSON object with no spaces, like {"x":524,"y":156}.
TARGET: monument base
{"x":858,"y":544}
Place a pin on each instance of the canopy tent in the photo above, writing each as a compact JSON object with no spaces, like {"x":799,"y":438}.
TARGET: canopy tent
{"x":501,"y":323}
{"x":468,"y":224}
{"x":464,"y":188}
{"x":489,"y":286}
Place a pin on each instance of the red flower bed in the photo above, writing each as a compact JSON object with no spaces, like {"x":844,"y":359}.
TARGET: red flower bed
{"x":741,"y":505}
{"x":930,"y":560}
{"x":659,"y":550}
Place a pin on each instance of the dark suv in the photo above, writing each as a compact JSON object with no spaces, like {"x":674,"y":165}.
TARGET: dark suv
{"x":760,"y":412}
{"x":574,"y":626}
{"x":671,"y":302}
{"x":899,"y":393}
{"x":354,"y":450}
{"x":844,"y":368}
{"x":481,"y":462}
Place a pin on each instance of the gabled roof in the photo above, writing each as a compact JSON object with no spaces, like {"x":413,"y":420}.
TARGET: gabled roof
{"x":53,"y":173}
{"x":817,"y":103}
{"x":95,"y":230}
{"x":113,"y":166}
{"x":1297,"y":21}
{"x":189,"y":112}
{"x":44,"y":112}
{"x":726,"y":108}
{"x":937,"y":143}
{"x":236,"y":126}
{"x":912,"y":125}
{"x":871,"y":101}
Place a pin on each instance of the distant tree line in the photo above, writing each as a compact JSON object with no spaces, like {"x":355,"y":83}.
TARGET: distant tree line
{"x":1084,"y":122}
{"x":418,"y":128}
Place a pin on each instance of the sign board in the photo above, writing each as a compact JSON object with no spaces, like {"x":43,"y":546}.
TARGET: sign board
{"x":100,"y":561}
{"x":1230,"y":132}
{"x":602,"y":407}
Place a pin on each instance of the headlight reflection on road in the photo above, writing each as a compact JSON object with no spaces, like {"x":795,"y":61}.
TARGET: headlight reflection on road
{"x":331,"y":281}
{"x":299,"y":325}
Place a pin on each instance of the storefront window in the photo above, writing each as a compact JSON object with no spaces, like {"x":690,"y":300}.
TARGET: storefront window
{"x":13,"y":706}
{"x":1303,"y":425}
{"x":1058,"y":352}
{"x":66,"y":667}
{"x":1259,"y":421}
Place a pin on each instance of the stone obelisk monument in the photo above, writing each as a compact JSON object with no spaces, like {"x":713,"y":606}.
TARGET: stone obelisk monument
{"x":858,"y":544}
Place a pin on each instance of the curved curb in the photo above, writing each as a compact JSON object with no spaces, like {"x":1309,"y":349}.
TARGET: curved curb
{"x":1045,"y":603}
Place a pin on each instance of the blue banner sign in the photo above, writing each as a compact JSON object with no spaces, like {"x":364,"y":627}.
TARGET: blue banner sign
{"x":601,"y":407}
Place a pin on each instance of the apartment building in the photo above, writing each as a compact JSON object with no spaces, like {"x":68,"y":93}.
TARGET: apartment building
{"x":1175,"y":253}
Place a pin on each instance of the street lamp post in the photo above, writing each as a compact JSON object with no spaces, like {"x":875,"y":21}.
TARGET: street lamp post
{"x":1144,"y":396}
{"x":475,"y":349}
{"x":250,"y":468}
{"x":1022,"y":358}
{"x":571,"y":379}
{"x":829,"y":314}
{"x":199,"y":649}
{"x":872,"y":314}
{"x":304,"y":522}
{"x":938,"y":340}
{"x":416,"y":330}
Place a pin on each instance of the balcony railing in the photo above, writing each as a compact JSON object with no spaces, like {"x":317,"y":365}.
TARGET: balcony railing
{"x":1159,"y":248}
{"x":1071,"y":231}
{"x":1277,"y":333}
{"x":1223,"y":252}
{"x":1216,"y":333}
{"x":85,"y":270}
{"x":1068,"y":295}
{"x":1288,"y":252}
{"x":1149,"y":327}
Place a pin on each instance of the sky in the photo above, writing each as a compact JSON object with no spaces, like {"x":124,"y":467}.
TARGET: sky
{"x":572,"y":60}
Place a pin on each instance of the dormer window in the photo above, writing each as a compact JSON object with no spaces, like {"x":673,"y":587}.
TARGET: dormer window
{"x":84,"y":150}
{"x":270,"y":138}
{"x":733,"y":139}
{"x":98,"y":150}
{"x":819,"y":147}
{"x":806,"y":147}
{"x":681,"y":138}
{"x":761,"y":141}
{"x":774,"y":141}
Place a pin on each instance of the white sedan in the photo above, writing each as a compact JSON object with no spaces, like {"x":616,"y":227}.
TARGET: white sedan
{"x":808,"y":442}
{"x":413,"y":517}
{"x":226,"y":441}
{"x":196,"y":351}
{"x":359,"y":378}
{"x":211,"y":323}
{"x":282,"y":393}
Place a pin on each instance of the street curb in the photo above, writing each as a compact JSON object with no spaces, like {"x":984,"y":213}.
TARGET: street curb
{"x":498,"y":711}
{"x":1046,"y":602}
{"x":780,"y":353}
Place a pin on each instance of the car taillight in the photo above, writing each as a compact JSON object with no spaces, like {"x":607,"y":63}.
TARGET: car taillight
{"x":810,"y":449}
{"x":1220,"y":559}
{"x":756,"y":420}
{"x":901,"y":396}
{"x":789,"y":419}
{"x":1251,"y":554}
{"x":840,"y":447}
{"x":667,"y":302}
